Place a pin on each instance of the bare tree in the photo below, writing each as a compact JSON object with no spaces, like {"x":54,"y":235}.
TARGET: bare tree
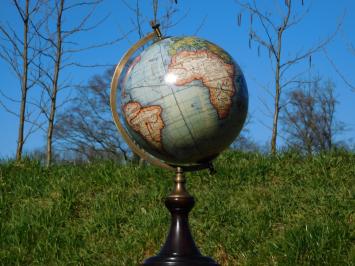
{"x":52,"y":91}
{"x":20,"y":53}
{"x":86,"y":127}
{"x":309,"y":117}
{"x":59,"y":38}
{"x":268,"y":30}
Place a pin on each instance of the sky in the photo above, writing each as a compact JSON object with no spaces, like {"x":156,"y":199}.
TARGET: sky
{"x":215,"y":21}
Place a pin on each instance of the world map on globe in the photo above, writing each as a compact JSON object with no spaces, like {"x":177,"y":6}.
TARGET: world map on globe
{"x":184,"y":100}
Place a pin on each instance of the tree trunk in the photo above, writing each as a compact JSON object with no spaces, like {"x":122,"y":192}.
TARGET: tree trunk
{"x":276,"y":112}
{"x":54,"y":91}
{"x":20,"y":139}
{"x":277,"y":95}
{"x":277,"y":80}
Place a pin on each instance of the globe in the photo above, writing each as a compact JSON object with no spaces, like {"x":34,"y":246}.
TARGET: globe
{"x":183,"y":99}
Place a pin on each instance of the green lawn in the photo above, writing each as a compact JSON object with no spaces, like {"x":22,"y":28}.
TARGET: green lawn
{"x":256,"y":210}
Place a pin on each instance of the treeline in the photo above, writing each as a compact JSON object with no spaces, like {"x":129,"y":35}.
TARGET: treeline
{"x":85,"y":130}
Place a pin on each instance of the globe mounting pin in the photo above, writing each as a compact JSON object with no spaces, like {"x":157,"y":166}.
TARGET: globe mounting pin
{"x":155,"y":26}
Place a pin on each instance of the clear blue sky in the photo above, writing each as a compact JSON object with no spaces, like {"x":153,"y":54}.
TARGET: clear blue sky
{"x":219,"y":26}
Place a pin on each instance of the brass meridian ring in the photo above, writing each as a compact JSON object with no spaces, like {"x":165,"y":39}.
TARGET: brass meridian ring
{"x":113,"y":97}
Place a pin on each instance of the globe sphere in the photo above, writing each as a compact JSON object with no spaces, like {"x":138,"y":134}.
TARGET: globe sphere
{"x":184,"y":100}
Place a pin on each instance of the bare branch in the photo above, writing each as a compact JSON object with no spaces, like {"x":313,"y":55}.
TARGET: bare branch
{"x":10,"y":39}
{"x":19,"y":10}
{"x":337,"y":70}
{"x":100,"y":45}
{"x":9,"y":98}
{"x":8,"y":109}
{"x":81,"y":4}
{"x":76,"y":64}
{"x":295,"y":79}
{"x":255,"y":10}
{"x":81,"y":25}
{"x":200,"y":26}
{"x":258,"y":39}
{"x":313,"y":50}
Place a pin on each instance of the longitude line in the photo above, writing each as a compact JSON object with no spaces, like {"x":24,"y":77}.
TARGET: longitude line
{"x":172,"y":91}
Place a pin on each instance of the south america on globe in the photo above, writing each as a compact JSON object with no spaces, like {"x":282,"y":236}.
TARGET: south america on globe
{"x":184,"y":100}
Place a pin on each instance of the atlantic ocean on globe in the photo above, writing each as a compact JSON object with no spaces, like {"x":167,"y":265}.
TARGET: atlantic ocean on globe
{"x":184,"y":100}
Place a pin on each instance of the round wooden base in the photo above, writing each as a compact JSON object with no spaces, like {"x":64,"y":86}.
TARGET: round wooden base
{"x":179,"y":248}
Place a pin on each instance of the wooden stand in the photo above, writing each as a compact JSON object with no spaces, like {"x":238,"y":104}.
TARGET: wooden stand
{"x":179,"y":248}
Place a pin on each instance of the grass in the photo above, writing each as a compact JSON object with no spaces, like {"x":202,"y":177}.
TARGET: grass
{"x":257,"y":210}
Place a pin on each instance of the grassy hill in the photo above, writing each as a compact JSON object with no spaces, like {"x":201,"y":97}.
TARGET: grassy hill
{"x":256,"y":210}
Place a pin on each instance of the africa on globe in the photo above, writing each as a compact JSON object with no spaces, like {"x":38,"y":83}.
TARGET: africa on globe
{"x":184,"y":100}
